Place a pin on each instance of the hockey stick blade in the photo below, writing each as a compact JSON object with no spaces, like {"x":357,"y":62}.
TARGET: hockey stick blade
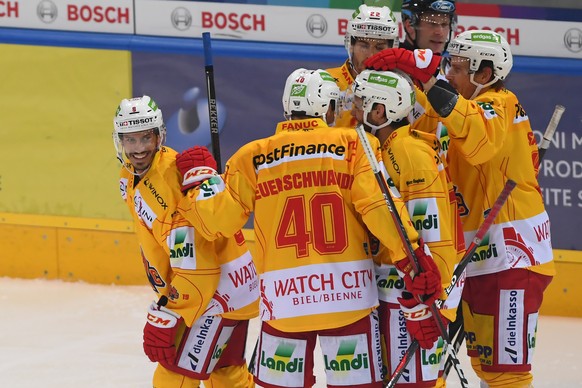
{"x":550,"y":129}
{"x":211,"y":93}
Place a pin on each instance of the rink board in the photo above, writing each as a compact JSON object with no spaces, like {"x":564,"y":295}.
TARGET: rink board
{"x":107,"y":252}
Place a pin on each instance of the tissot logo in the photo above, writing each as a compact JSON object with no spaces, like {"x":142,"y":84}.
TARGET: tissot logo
{"x":181,"y":19}
{"x":47,"y":11}
{"x":316,"y":25}
{"x":573,"y":40}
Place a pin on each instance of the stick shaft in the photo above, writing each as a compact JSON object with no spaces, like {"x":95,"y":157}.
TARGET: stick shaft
{"x":403,"y":237}
{"x":211,"y":93}
{"x":459,"y":270}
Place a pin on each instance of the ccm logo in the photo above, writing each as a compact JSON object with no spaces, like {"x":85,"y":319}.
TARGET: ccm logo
{"x":98,"y":14}
{"x":159,"y":322}
{"x":417,"y":315}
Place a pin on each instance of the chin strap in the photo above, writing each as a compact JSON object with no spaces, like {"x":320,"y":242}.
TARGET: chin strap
{"x":479,"y":86}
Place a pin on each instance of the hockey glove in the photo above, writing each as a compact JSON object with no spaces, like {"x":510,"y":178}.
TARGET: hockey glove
{"x":196,"y":165}
{"x":426,"y":285}
{"x":159,"y":334}
{"x":420,"y":65}
{"x":420,"y":322}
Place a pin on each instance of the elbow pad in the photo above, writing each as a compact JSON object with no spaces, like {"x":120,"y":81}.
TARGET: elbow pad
{"x":443,"y":97}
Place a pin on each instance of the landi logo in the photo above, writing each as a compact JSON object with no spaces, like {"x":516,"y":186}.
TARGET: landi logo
{"x":346,"y":358}
{"x":282,"y":360}
{"x":484,"y":251}
{"x":180,"y":246}
{"x":422,"y":220}
{"x":433,"y":358}
{"x":217,"y":352}
{"x":391,"y":281}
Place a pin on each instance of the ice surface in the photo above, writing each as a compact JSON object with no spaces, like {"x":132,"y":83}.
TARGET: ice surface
{"x":69,"y":335}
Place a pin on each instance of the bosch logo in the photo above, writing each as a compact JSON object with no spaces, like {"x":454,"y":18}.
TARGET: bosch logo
{"x":181,"y":19}
{"x":316,"y":26}
{"x":47,"y":11}
{"x":573,"y":40}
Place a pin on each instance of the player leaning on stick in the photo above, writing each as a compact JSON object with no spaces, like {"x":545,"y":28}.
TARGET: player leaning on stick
{"x":371,"y":30}
{"x":382,"y":103}
{"x":313,"y":194}
{"x":491,"y":142}
{"x":207,"y":290}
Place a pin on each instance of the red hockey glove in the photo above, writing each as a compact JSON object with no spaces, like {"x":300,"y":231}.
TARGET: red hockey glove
{"x":420,"y":65}
{"x":196,"y":165}
{"x":420,"y":322}
{"x":426,"y":285}
{"x":159,"y":334}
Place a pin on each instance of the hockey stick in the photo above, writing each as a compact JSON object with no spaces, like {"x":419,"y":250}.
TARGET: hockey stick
{"x":460,"y":269}
{"x":459,"y":334}
{"x":550,"y":129}
{"x":408,"y":246}
{"x":211,"y":93}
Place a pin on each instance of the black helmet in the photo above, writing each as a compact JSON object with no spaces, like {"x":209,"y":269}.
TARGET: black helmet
{"x":413,"y":9}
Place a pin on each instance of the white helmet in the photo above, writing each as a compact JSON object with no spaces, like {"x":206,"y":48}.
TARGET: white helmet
{"x":483,"y":45}
{"x":310,"y":92}
{"x":391,"y":89}
{"x":136,"y":115}
{"x":372,"y":23}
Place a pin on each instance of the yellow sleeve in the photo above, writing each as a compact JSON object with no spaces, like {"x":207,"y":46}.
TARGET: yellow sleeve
{"x":478,"y":127}
{"x":376,"y":213}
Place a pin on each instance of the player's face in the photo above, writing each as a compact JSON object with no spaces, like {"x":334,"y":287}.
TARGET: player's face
{"x":140,"y":148}
{"x":364,"y":48}
{"x":458,"y":75}
{"x":432,"y":31}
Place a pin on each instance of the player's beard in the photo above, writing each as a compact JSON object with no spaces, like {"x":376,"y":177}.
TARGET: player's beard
{"x":141,"y":161}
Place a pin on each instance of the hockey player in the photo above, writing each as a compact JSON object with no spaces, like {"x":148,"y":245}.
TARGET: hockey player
{"x":382,"y":103}
{"x":207,"y":291}
{"x":492,"y":141}
{"x":428,"y":24}
{"x":370,"y":30}
{"x":313,"y":195}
